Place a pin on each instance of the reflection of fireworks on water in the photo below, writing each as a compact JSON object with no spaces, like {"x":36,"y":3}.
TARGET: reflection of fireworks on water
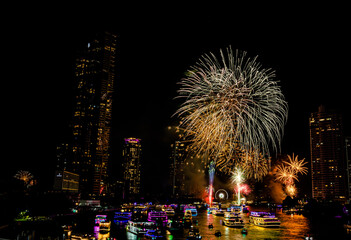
{"x":232,"y":101}
{"x":24,"y":176}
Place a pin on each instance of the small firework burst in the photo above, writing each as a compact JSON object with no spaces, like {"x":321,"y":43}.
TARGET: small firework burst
{"x":24,"y":176}
{"x":285,"y":174}
{"x":298,"y":166}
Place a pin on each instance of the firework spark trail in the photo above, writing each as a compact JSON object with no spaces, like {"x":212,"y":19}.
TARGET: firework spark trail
{"x":254,"y":165}
{"x":298,"y":166}
{"x":232,"y":101}
{"x":285,"y":174}
{"x":237,"y":178}
{"x":211,"y":172}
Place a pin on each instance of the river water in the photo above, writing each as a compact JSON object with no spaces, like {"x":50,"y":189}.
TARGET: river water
{"x":292,"y":227}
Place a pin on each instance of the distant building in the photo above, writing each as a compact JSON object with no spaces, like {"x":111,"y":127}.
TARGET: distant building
{"x":131,"y":167}
{"x":177,"y":167}
{"x":92,"y":114}
{"x":66,"y":181}
{"x":327,"y":156}
{"x":187,"y":171}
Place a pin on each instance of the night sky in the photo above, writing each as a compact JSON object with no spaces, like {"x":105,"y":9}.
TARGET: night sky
{"x":308,"y":46}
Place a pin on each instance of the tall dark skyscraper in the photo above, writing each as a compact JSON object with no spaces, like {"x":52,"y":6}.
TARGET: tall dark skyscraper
{"x":327,"y":156}
{"x":131,"y":167}
{"x":92,"y":115}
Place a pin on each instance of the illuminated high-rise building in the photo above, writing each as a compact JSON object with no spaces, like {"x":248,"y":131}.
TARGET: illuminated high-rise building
{"x":131,"y":167}
{"x":92,"y":115}
{"x":177,"y":167}
{"x":327,"y":156}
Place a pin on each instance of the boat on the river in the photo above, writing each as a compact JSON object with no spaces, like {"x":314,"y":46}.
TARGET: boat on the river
{"x":170,"y":212}
{"x":192,"y":209}
{"x":194,"y":234}
{"x":218,"y":212}
{"x":104,"y":227}
{"x":160,"y":218}
{"x":218,"y":233}
{"x":154,"y":234}
{"x":264,"y":219}
{"x":211,"y":209}
{"x":232,"y":219}
{"x":140,"y":228}
{"x":122,"y":217}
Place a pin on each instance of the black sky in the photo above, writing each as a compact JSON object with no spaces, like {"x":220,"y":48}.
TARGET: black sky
{"x":308,"y":46}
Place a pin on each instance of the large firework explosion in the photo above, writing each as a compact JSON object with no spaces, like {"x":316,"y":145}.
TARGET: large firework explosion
{"x":230,"y":103}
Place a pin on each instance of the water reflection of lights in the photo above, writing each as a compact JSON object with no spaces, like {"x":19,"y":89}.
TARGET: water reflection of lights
{"x":100,"y":236}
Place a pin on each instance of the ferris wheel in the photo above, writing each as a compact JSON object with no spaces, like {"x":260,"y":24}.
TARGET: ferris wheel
{"x":221,"y":194}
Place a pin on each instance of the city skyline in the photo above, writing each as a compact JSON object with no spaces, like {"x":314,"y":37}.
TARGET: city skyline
{"x":307,"y":56}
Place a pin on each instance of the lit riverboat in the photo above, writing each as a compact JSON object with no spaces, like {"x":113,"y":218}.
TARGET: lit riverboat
{"x":140,"y":228}
{"x":232,"y":219}
{"x":154,"y":234}
{"x":158,"y":217}
{"x":170,"y":212}
{"x":264,"y":219}
{"x":122,"y":217}
{"x":218,"y":212}
{"x":192,"y":209}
